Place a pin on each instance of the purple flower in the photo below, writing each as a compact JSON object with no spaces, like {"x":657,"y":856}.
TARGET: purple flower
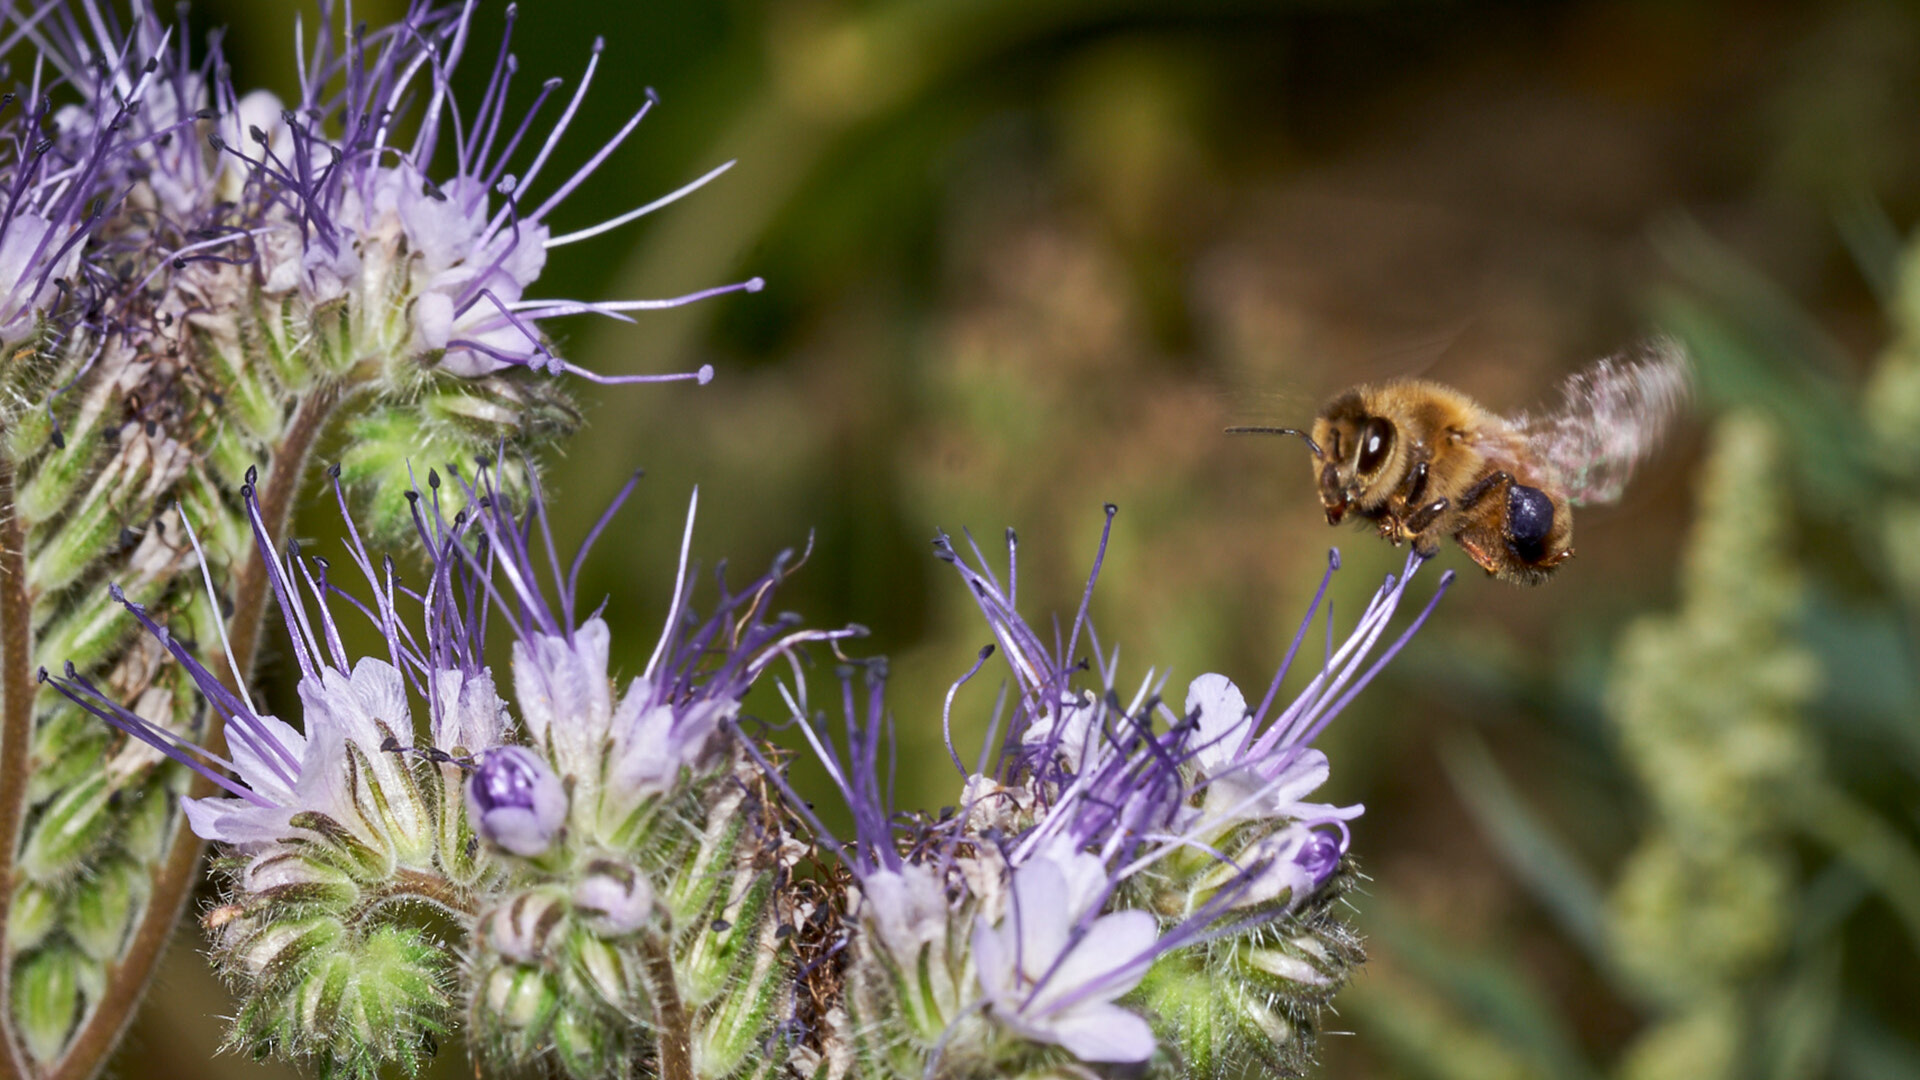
{"x":346,"y":769}
{"x":1107,"y":832}
{"x":515,"y":801}
{"x":352,"y":763}
{"x":620,"y":754}
{"x":320,"y":201}
{"x":62,"y":174}
{"x":1104,"y":775}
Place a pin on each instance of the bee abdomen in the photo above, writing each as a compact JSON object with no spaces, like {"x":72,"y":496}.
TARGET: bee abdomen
{"x":1529,"y":522}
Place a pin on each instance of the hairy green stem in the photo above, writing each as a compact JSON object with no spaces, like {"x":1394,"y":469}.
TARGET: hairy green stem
{"x":672,"y":1033}
{"x":127,"y":980}
{"x":16,"y":740}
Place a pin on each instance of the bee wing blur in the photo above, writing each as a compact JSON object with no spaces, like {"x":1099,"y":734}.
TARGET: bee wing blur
{"x":1611,"y":417}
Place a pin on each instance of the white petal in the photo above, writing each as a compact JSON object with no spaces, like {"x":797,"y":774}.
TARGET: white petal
{"x":1039,"y":914}
{"x":1302,"y":777}
{"x":1103,"y":1033}
{"x":1114,"y":943}
{"x":1224,"y":722}
{"x":993,"y":962}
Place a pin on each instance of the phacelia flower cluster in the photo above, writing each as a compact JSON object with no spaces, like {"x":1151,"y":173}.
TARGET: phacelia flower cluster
{"x":573,"y":831}
{"x":374,"y":239}
{"x":201,"y":281}
{"x":1126,"y":884}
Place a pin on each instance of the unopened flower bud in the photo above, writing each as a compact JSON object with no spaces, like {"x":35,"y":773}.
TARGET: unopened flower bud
{"x":521,"y":928}
{"x":1318,"y":857}
{"x":614,"y":899}
{"x":515,"y":800}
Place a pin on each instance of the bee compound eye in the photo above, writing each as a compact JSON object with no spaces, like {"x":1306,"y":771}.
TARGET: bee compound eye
{"x":1376,"y":442}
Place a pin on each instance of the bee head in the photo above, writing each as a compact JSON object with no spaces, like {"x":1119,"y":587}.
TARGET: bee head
{"x":1358,"y":453}
{"x":1350,"y":452}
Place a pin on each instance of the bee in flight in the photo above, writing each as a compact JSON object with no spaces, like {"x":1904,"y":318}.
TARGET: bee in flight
{"x":1423,"y":461}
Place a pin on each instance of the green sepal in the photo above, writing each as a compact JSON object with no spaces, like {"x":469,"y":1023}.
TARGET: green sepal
{"x":721,"y":950}
{"x":270,"y":956}
{"x":104,"y":907}
{"x":50,"y":991}
{"x":740,"y":1023}
{"x":692,"y":890}
{"x":64,"y":550}
{"x":460,"y":854}
{"x":513,"y":1009}
{"x":35,"y":912}
{"x":604,"y":970}
{"x":593,"y":1044}
{"x":68,"y":745}
{"x":76,"y":824}
{"x":353,"y":1007}
{"x":304,"y":884}
{"x":1249,"y":1002}
{"x":347,"y":851}
{"x":60,"y":473}
{"x":147,"y":827}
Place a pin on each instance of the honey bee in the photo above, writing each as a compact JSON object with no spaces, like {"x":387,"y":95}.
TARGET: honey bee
{"x":1423,"y":461}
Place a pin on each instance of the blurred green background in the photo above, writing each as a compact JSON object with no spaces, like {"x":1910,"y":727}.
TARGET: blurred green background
{"x":1654,"y":819}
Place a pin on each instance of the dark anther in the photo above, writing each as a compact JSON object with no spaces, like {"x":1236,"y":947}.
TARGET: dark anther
{"x":390,"y":744}
{"x":206,"y":114}
{"x":721,"y":926}
{"x":253,"y":475}
{"x":783,"y":933}
{"x":433,"y":479}
{"x":413,"y":497}
{"x":333,"y":471}
{"x":256,"y":135}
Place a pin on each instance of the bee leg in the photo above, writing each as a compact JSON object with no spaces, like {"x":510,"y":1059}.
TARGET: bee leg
{"x":1420,"y":520}
{"x":1416,"y":484}
{"x":1419,"y":524}
{"x":1484,"y":487}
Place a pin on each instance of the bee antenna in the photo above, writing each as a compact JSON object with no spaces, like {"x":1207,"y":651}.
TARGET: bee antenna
{"x":1311,"y":445}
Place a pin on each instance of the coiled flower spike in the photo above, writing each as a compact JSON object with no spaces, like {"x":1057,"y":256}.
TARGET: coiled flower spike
{"x":1125,"y":884}
{"x":568,"y":831}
